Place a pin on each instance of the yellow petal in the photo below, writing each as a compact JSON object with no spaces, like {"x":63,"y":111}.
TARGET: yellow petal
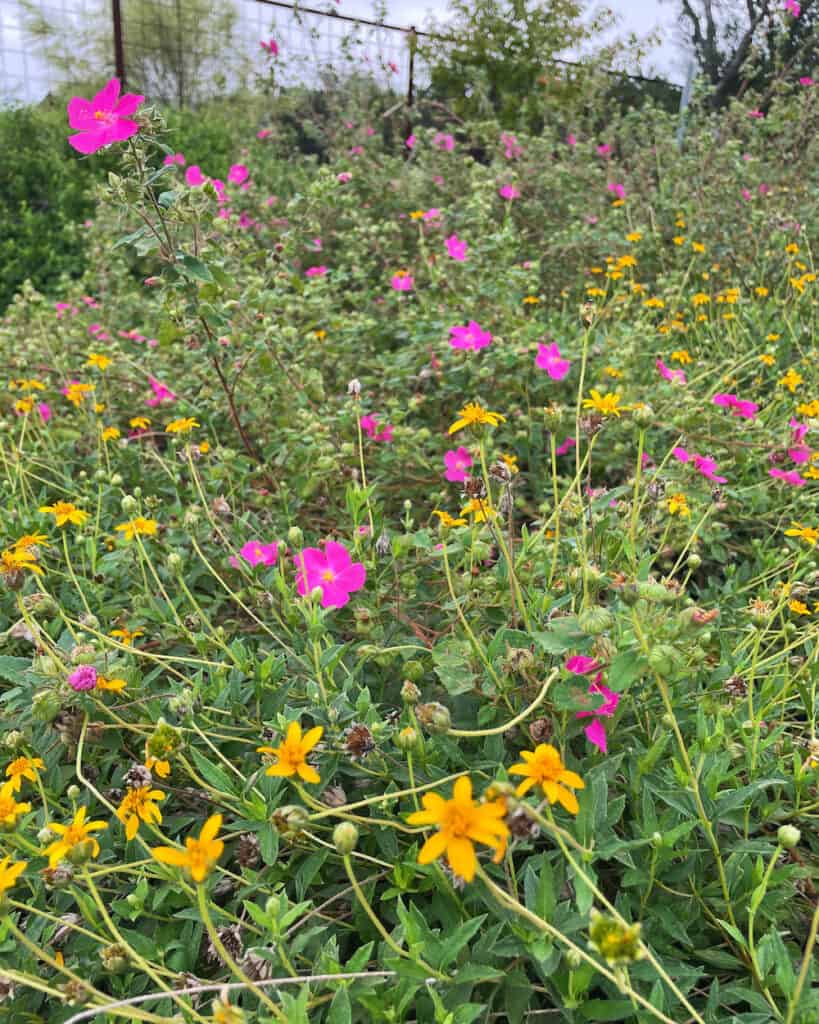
{"x":462,"y":790}
{"x":462,"y":859}
{"x":131,"y":827}
{"x":432,"y":848}
{"x":311,"y":738}
{"x":211,"y":828}
{"x":170,"y":855}
{"x":308,"y":773}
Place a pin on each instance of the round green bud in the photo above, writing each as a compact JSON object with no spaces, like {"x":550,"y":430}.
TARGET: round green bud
{"x":345,"y":837}
{"x":788,"y":836}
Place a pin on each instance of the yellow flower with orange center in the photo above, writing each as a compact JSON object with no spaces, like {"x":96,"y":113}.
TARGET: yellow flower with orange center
{"x":137,"y":805}
{"x":111,"y":434}
{"x":461,"y":823}
{"x":200,"y":854}
{"x":75,"y":839}
{"x":182,"y":426}
{"x":10,"y":809}
{"x":102,"y":362}
{"x":139,"y":526}
{"x":791,"y":380}
{"x":65,"y":512}
{"x":544,"y":767}
{"x":291,"y":754}
{"x":809,"y":534}
{"x":23,"y":768}
{"x":606,"y":404}
{"x":15,"y":560}
{"x":472,"y":414}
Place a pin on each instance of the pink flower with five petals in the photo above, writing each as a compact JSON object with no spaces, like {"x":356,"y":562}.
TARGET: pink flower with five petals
{"x":104,"y":119}
{"x":333,"y":570}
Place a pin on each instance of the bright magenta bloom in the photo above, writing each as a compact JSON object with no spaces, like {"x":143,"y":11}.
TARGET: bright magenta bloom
{"x":402,"y":281}
{"x":316,"y":271}
{"x":104,"y":119}
{"x":457,"y":463}
{"x":738,"y":406}
{"x":83,"y":678}
{"x":369,"y":424}
{"x":702,"y":464}
{"x":238,"y":173}
{"x":455,"y":247}
{"x":333,"y":570}
{"x":617,"y":188}
{"x":582,"y":664}
{"x":471,"y":336}
{"x":789,"y":476}
{"x":567,"y":445}
{"x":444,"y":141}
{"x":194,"y":175}
{"x":257,"y":553}
{"x":161,"y":393}
{"x":669,"y":374}
{"x":549,"y":359}
{"x":271,"y":46}
{"x":508,"y":192}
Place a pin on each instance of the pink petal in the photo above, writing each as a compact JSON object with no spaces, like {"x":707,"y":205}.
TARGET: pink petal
{"x":596,"y":735}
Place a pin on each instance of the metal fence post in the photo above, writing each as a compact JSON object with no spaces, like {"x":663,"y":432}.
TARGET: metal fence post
{"x":119,"y":50}
{"x":685,"y":99}
{"x":413,"y":42}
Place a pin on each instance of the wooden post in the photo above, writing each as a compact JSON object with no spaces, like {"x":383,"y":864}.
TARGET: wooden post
{"x":119,"y":50}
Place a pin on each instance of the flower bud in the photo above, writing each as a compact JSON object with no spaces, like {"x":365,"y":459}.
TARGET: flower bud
{"x":618,"y":944}
{"x":788,"y":836}
{"x":553,"y":416}
{"x":345,"y":838}
{"x":129,"y":504}
{"x":595,"y":620}
{"x":407,"y":739}
{"x":13,"y":739}
{"x":114,"y":958}
{"x":643,"y":416}
{"x":354,"y":388}
{"x":410,"y":694}
{"x":434,"y":717}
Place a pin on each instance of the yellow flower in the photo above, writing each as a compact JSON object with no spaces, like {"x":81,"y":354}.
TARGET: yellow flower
{"x":139,"y":422}
{"x":158,"y":766}
{"x":23,"y":768}
{"x":810,"y":409}
{"x":76,"y":840}
{"x":798,"y":607}
{"x":809,"y":534}
{"x":446,"y":520}
{"x":24,"y":405}
{"x":141,"y":526}
{"x":204,"y":447}
{"x":99,"y":408}
{"x":761,"y":291}
{"x":320,"y":334}
{"x":15,"y":560}
{"x":606,"y":404}
{"x":680,"y":355}
{"x":101,"y":362}
{"x":811,"y":474}
{"x":772,"y":337}
{"x":10,"y":871}
{"x":10,"y":810}
{"x":473,"y":413}
{"x":654,"y":303}
{"x":417,"y":214}
{"x":792,"y":248}
{"x":634,"y":236}
{"x":678,"y":239}
{"x":700,"y":299}
{"x":199,"y":855}
{"x":76,"y":392}
{"x":677,"y":505}
{"x":292,"y":753}
{"x":531,"y":300}
{"x":113,"y":685}
{"x":65,"y":512}
{"x":31,"y":540}
{"x":461,"y":823}
{"x":627,"y":261}
{"x":791,"y":380}
{"x":26,"y":385}
{"x":612,"y":371}
{"x":111,"y":434}
{"x":679,"y":222}
{"x":480,"y":509}
{"x":511,"y":462}
{"x":544,"y":767}
{"x":593,"y":292}
{"x":767,"y":359}
{"x":139,"y":805}
{"x":181,"y":426}
{"x":698,"y":247}
{"x":126,"y":636}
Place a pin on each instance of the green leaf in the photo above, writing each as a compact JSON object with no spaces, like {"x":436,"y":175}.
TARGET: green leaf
{"x":340,"y":1011}
{"x":13,"y":669}
{"x":214,"y":776}
{"x":607,"y":1009}
{"x":193,"y":267}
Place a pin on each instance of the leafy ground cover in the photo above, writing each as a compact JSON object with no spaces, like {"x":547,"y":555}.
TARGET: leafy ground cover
{"x":410,"y":584}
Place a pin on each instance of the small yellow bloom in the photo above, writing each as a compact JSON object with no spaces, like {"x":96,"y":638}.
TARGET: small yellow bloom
{"x":798,"y":607}
{"x":792,"y":248}
{"x":772,"y":337}
{"x":126,"y":636}
{"x":65,"y":512}
{"x":612,"y":371}
{"x":320,"y":334}
{"x":767,"y":359}
{"x":417,"y":214}
{"x":473,"y":413}
{"x":24,"y":405}
{"x":678,"y":239}
{"x":698,"y":247}
{"x":461,"y":823}
{"x":761,"y":291}
{"x":531,"y":300}
{"x":204,"y":447}
{"x":111,"y":434}
{"x":10,"y":809}
{"x":606,"y":404}
{"x":544,"y":767}
{"x":291,"y":754}
{"x":139,"y":422}
{"x":654,"y":303}
{"x":101,"y":362}
{"x":810,"y":409}
{"x":700,"y":299}
{"x":31,"y":540}
{"x":76,"y":840}
{"x":76,"y":392}
{"x":511,"y":462}
{"x":181,"y":426}
{"x":199,"y":855}
{"x":681,"y":355}
{"x":634,"y":236}
{"x":480,"y":509}
{"x":791,"y":380}
{"x":15,"y":560}
{"x":627,"y":261}
{"x":595,"y":293}
{"x":679,"y":222}
{"x":677,"y":505}
{"x":112,"y":685}
{"x":10,"y":871}
{"x":23,"y":768}
{"x":137,"y":805}
{"x":143,"y":527}
{"x":446,"y":520}
{"x":158,"y":766}
{"x":809,"y":534}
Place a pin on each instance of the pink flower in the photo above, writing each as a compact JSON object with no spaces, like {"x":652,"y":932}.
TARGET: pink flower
{"x":356,"y":151}
{"x":472,"y":336}
{"x":271,"y":46}
{"x":257,"y":553}
{"x":410,"y":142}
{"x":83,"y":678}
{"x":702,"y":464}
{"x":669,"y":374}
{"x":44,"y":409}
{"x":790,"y":477}
{"x":263,"y":133}
{"x":443,"y":141}
{"x":511,"y":149}
{"x":596,"y":731}
{"x":104,"y":119}
{"x":548,"y":358}
{"x":571,"y":140}
{"x":792,"y":7}
{"x":457,"y":463}
{"x":161,"y":393}
{"x":433,"y":213}
{"x":567,"y":446}
{"x":194,"y":176}
{"x":402,"y":281}
{"x":604,"y":149}
{"x":798,"y":431}
{"x":738,"y":406}
{"x":755,"y":113}
{"x":806,"y":80}
{"x":617,"y":188}
{"x":317,"y":245}
{"x":746,"y":194}
{"x":581,"y":664}
{"x":319,"y":271}
{"x":508,"y":192}
{"x":238,"y":173}
{"x":369,"y":424}
{"x":344,"y":177}
{"x":332,"y":570}
{"x":456,"y":248}
{"x":175,"y":158}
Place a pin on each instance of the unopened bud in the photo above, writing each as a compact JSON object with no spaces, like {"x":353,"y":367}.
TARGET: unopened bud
{"x":788,"y":836}
{"x":345,"y":837}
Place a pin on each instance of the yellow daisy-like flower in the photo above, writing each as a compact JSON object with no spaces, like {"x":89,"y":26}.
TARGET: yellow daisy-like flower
{"x":24,"y":405}
{"x":139,"y":422}
{"x":595,"y":293}
{"x":612,"y":371}
{"x":23,"y":768}
{"x":767,"y":359}
{"x":531,"y":300}
{"x":627,"y":261}
{"x":31,"y":540}
{"x":792,"y":248}
{"x":199,"y":855}
{"x":112,"y":685}
{"x":417,"y":214}
{"x":761,"y":291}
{"x":511,"y":463}
{"x":65,"y":512}
{"x":10,"y":871}
{"x":809,"y":534}
{"x":810,"y":409}
{"x":791,"y":380}
{"x":461,"y":823}
{"x":677,"y":505}
{"x":76,"y":392}
{"x":606,"y":404}
{"x":446,"y":520}
{"x":700,"y":299}
{"x":143,"y":527}
{"x":15,"y":560}
{"x":634,"y":236}
{"x":126,"y":636}
{"x":75,"y":839}
{"x":544,"y":767}
{"x":320,"y":334}
{"x":698,"y":247}
{"x":681,"y":355}
{"x":678,"y":239}
{"x":182,"y":426}
{"x":772,"y":337}
{"x":291,"y":754}
{"x":111,"y":434}
{"x":654,"y":303}
{"x":798,"y":607}
{"x":10,"y":809}
{"x":137,"y":805}
{"x":102,"y":362}
{"x":473,"y":413}
{"x":480,"y":510}
{"x":158,"y":766}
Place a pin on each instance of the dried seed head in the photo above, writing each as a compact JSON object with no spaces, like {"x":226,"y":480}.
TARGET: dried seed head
{"x":138,"y":776}
{"x":248,"y":851}
{"x":541,"y":730}
{"x":334,"y":796}
{"x":358,"y":741}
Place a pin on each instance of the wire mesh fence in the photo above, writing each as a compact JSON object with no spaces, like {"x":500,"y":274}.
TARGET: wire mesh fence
{"x":185,"y":51}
